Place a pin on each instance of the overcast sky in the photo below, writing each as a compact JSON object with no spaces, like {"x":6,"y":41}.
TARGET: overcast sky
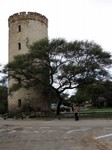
{"x":69,"y":19}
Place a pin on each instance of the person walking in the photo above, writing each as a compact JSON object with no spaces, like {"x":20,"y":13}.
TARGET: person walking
{"x":76,"y":111}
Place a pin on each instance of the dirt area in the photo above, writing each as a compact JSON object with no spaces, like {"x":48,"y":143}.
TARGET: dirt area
{"x":64,"y":134}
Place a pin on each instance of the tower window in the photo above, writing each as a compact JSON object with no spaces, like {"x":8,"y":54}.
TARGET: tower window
{"x":19,"y":46}
{"x":19,"y":102}
{"x":19,"y":28}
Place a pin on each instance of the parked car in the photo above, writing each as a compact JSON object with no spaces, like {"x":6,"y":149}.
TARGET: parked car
{"x":63,"y":108}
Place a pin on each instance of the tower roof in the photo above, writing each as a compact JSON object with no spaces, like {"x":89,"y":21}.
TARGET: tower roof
{"x":29,"y":16}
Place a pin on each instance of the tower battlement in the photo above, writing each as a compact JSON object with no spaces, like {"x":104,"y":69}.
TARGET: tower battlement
{"x":29,"y":16}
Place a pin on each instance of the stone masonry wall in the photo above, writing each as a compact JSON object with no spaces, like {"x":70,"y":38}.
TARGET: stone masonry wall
{"x":24,"y":29}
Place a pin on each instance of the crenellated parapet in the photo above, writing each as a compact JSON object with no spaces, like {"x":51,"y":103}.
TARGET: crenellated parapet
{"x":28,"y":16}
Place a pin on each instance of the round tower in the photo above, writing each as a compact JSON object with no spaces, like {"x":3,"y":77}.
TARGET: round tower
{"x":25,"y":28}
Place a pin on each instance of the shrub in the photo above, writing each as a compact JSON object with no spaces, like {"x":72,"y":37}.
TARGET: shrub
{"x":3,"y":109}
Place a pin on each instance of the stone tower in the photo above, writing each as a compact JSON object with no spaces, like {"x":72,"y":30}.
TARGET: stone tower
{"x":25,"y":29}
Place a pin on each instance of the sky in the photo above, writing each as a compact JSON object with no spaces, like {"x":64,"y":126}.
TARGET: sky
{"x":69,"y":19}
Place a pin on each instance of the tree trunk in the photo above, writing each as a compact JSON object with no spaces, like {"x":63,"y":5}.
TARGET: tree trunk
{"x":58,"y":106}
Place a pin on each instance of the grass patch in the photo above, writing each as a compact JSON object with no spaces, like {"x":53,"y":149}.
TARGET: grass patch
{"x":92,"y":110}
{"x":105,"y":113}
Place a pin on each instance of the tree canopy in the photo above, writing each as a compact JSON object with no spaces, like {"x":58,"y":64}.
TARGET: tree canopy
{"x":58,"y":65}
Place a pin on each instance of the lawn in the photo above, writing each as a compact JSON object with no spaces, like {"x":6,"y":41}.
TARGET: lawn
{"x":96,"y":113}
{"x":92,"y":110}
{"x":91,"y":113}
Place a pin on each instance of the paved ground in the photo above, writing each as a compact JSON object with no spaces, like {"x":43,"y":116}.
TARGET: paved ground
{"x":55,"y":134}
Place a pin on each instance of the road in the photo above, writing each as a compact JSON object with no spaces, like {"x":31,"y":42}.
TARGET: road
{"x":64,"y":134}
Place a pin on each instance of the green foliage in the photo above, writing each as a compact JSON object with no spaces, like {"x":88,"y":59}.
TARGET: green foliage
{"x":3,"y":99}
{"x":15,"y":87}
{"x":3,"y":93}
{"x":3,"y":108}
{"x":94,"y":91}
{"x":3,"y":90}
{"x":4,"y":76}
{"x":58,"y":65}
{"x":81,"y":96}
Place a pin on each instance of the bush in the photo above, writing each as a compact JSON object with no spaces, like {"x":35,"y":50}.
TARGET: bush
{"x":3,"y":109}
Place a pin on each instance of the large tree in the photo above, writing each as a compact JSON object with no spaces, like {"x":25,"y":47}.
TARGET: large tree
{"x":58,"y":66}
